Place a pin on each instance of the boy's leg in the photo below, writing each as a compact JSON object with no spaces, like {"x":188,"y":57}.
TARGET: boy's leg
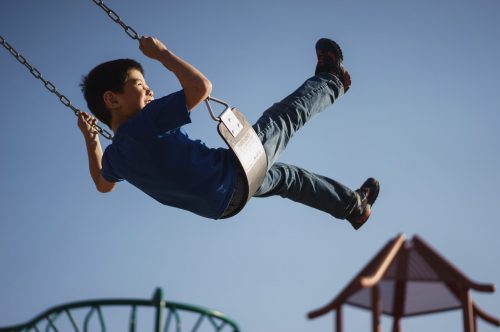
{"x":308,"y":188}
{"x":279,"y":123}
{"x":320,"y":192}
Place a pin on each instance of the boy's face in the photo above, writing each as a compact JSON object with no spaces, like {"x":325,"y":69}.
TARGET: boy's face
{"x":136,"y":93}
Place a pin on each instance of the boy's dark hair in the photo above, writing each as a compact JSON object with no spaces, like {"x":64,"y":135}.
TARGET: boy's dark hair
{"x":108,"y":76}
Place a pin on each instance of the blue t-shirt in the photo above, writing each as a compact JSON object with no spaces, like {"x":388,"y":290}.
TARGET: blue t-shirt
{"x":154,"y":153}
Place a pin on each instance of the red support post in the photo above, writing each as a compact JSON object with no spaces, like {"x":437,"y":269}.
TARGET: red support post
{"x":468,"y":311}
{"x":338,"y":319}
{"x":377,"y":309}
{"x":396,"y":324}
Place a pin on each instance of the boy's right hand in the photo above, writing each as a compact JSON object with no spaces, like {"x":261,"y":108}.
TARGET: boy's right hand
{"x":86,"y":123}
{"x":151,"y":47}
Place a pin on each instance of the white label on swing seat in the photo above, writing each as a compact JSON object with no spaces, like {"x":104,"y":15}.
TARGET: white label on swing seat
{"x":231,"y":122}
{"x":249,"y":149}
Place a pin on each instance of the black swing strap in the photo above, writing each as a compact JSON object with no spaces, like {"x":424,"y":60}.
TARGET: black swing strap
{"x":49,"y":85}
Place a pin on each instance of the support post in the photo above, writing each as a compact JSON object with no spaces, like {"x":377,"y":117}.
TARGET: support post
{"x":396,"y":324}
{"x":159,"y":306}
{"x":468,"y":311}
{"x":338,"y":320}
{"x":400,"y":284}
{"x":377,"y":309}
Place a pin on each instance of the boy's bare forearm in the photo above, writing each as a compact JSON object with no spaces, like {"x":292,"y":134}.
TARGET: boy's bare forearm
{"x":187,"y":74}
{"x":196,"y":86}
{"x":94,"y":153}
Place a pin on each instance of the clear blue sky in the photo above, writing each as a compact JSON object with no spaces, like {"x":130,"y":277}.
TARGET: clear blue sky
{"x":423,"y":116}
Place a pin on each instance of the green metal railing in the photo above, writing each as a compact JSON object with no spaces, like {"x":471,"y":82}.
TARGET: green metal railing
{"x":97,"y":315}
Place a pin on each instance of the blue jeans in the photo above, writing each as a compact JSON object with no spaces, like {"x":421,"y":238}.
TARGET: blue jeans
{"x":276,"y":127}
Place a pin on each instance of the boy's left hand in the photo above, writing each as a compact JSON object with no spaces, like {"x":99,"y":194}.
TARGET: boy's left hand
{"x":86,"y":123}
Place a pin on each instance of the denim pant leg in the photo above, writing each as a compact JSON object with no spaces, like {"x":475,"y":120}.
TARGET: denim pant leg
{"x":275,"y":128}
{"x":279,"y":123}
{"x":308,"y":188}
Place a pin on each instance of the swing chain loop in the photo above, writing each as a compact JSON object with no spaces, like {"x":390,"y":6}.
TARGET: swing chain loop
{"x":49,"y":85}
{"x":114,"y":16}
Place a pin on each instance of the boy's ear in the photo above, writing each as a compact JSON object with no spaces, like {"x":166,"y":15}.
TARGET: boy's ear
{"x":110,"y":99}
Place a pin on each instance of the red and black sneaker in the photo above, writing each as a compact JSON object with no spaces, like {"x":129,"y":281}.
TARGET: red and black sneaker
{"x":362,"y":208}
{"x":330,"y":60}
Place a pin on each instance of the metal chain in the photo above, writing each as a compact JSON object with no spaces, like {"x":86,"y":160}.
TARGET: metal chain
{"x":49,"y":85}
{"x":112,"y":14}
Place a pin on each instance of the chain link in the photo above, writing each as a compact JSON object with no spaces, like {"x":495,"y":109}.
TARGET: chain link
{"x":49,"y":85}
{"x":114,"y":16}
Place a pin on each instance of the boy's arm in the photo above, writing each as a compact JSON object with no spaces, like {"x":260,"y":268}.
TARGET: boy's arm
{"x":94,"y":152}
{"x":196,"y":86}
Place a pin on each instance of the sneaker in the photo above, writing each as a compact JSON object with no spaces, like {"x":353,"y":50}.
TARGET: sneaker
{"x":330,"y":60}
{"x":365,"y":197}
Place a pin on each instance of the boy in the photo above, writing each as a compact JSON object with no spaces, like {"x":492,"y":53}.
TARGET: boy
{"x":151,"y":150}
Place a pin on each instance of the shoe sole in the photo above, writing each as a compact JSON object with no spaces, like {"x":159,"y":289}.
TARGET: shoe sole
{"x":374,"y":187}
{"x":325,"y":45}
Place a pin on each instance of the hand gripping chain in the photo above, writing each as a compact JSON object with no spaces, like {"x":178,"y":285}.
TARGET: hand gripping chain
{"x":49,"y":85}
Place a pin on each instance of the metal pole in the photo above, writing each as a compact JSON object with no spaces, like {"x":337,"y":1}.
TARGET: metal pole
{"x":159,"y":306}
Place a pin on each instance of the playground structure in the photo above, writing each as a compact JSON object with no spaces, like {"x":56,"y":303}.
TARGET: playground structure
{"x":409,"y":278}
{"x":405,"y":278}
{"x":133,"y":315}
{"x":387,"y":285}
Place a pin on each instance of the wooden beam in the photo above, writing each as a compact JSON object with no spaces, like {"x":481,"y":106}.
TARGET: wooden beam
{"x":338,"y":320}
{"x":356,"y":283}
{"x":484,"y":316}
{"x":400,"y":283}
{"x":376,"y":309}
{"x":396,"y":324}
{"x":438,"y":261}
{"x":468,"y":312}
{"x":371,"y":280}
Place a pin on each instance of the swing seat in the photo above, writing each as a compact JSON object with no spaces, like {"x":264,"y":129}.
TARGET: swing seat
{"x":240,"y":137}
{"x":243,"y":141}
